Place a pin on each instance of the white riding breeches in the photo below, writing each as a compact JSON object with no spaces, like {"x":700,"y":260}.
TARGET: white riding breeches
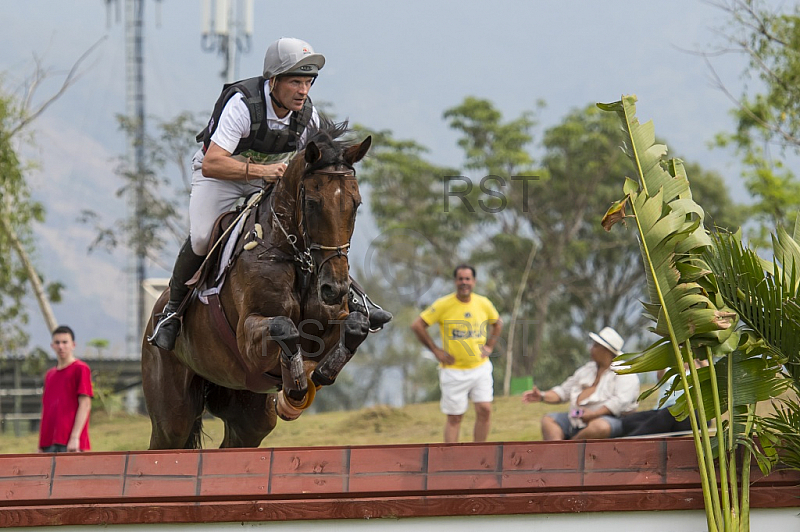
{"x":209,"y":199}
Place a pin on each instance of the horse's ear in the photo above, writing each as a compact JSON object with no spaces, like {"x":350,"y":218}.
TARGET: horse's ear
{"x":353,"y":154}
{"x":312,"y":153}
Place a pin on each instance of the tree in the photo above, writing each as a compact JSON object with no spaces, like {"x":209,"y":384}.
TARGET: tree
{"x":582,"y":278}
{"x":420,"y":230}
{"x":161,"y":219}
{"x":19,"y":212}
{"x":767,"y":116}
{"x":418,"y":244}
{"x":13,"y":274}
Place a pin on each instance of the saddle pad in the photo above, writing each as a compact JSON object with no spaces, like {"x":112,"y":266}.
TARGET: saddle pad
{"x":224,"y":259}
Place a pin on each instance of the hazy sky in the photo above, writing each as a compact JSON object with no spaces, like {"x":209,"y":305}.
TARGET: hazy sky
{"x":390,"y":65}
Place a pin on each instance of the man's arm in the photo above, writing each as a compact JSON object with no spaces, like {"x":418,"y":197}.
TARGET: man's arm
{"x":626,"y":395}
{"x":420,"y":329}
{"x":552,"y":396}
{"x":81,"y":417}
{"x":537,"y":396}
{"x":220,"y":164}
{"x":493,"y":336}
{"x":589,"y":415}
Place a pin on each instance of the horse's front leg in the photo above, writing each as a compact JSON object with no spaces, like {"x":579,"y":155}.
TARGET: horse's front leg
{"x":354,"y":330}
{"x":277,"y":338}
{"x":269,"y":340}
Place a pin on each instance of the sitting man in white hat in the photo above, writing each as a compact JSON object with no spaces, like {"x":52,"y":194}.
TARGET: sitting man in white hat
{"x":597,"y":395}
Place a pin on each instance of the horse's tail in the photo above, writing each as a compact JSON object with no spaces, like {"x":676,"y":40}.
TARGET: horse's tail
{"x":194,"y":440}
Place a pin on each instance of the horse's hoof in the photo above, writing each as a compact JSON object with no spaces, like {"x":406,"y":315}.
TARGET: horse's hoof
{"x":288,"y":409}
{"x":378,"y":318}
{"x":285,"y":410}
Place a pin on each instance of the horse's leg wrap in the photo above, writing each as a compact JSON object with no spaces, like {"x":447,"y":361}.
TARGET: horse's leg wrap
{"x":356,"y":328}
{"x":289,"y":410}
{"x":295,"y":382}
{"x":326,"y":371}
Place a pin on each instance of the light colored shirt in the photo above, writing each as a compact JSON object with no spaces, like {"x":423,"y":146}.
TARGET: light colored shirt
{"x":234,"y":123}
{"x":464,"y":327}
{"x":618,"y":393}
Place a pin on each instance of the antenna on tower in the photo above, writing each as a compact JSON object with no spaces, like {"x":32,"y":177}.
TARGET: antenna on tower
{"x":227,"y":28}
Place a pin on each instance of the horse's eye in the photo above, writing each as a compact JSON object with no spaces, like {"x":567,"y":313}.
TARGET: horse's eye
{"x":313,"y":203}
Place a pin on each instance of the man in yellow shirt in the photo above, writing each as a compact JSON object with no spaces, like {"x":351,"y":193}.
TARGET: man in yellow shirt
{"x":469,"y":326}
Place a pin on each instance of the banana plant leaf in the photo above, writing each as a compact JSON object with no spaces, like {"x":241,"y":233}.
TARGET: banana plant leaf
{"x":713,"y":300}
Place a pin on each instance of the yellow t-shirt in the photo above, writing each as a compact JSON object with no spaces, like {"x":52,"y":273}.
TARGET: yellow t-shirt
{"x":463,"y":326}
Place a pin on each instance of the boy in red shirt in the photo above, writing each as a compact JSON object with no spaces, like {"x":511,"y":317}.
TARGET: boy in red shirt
{"x":67,"y":399}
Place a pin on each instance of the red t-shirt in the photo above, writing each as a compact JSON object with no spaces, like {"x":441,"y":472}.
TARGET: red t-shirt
{"x":60,"y":404}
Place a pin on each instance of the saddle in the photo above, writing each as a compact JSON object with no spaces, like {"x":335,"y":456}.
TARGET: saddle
{"x":227,"y":236}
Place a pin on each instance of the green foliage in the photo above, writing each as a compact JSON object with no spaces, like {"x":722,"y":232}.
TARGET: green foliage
{"x":711,"y":300}
{"x":159,"y":219}
{"x":100,"y":344}
{"x":420,"y":236}
{"x":104,"y":397}
{"x":19,"y":212}
{"x":488,"y":143}
{"x":768,"y":119}
{"x":36,"y":362}
{"x":582,"y":278}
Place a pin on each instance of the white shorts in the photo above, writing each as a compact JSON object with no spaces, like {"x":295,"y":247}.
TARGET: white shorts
{"x":460,"y":385}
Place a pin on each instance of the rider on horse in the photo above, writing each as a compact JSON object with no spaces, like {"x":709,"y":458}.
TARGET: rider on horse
{"x":244,"y":129}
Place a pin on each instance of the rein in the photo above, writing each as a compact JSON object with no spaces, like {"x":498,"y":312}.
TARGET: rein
{"x":303,"y":257}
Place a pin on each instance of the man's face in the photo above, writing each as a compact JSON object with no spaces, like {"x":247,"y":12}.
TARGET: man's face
{"x":63,"y":345}
{"x":600,"y":354}
{"x":292,"y":91}
{"x":465,"y":282}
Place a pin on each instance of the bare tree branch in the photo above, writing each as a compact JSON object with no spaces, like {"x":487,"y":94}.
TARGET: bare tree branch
{"x":28,"y":116}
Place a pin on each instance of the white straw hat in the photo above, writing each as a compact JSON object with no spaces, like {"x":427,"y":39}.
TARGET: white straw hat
{"x":610,"y":339}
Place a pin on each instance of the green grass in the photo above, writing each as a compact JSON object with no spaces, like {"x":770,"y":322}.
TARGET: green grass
{"x":512,"y":420}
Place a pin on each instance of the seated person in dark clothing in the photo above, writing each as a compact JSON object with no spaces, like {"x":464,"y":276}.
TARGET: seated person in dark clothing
{"x":659,"y":420}
{"x":656,"y":421}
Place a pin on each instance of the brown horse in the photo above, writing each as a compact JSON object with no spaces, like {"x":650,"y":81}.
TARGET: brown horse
{"x":285,"y":299}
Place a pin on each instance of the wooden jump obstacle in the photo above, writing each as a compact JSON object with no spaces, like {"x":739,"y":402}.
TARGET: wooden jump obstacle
{"x":286,"y":484}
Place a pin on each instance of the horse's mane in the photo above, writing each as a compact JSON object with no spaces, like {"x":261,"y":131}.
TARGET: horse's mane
{"x":326,"y":136}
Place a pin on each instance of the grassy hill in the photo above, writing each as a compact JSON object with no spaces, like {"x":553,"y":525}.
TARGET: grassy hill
{"x":418,"y":423}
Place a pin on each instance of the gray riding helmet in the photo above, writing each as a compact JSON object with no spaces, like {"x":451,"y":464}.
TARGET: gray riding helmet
{"x":288,"y":56}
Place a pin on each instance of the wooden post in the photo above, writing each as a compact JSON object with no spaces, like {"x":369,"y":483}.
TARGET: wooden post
{"x":17,"y":398}
{"x":517,"y":304}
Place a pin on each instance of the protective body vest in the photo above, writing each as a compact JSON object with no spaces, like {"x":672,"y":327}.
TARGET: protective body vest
{"x":262,"y":139}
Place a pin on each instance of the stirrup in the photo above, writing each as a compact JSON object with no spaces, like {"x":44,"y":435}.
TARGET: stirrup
{"x":365,"y":303}
{"x":161,"y":321}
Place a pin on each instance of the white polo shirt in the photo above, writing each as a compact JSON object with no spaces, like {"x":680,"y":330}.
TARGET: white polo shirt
{"x":234,"y":122}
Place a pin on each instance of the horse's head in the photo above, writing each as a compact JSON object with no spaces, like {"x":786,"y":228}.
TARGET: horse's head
{"x":323,"y":183}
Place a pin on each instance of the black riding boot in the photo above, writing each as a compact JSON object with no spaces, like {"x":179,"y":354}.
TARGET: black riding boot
{"x":169,"y":323}
{"x":359,"y":301}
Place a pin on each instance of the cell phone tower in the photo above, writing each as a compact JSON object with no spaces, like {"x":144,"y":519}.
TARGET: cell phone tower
{"x":135,"y":111}
{"x":227,"y":28}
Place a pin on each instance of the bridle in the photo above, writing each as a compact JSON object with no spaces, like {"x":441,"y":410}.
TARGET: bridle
{"x":302,"y":253}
